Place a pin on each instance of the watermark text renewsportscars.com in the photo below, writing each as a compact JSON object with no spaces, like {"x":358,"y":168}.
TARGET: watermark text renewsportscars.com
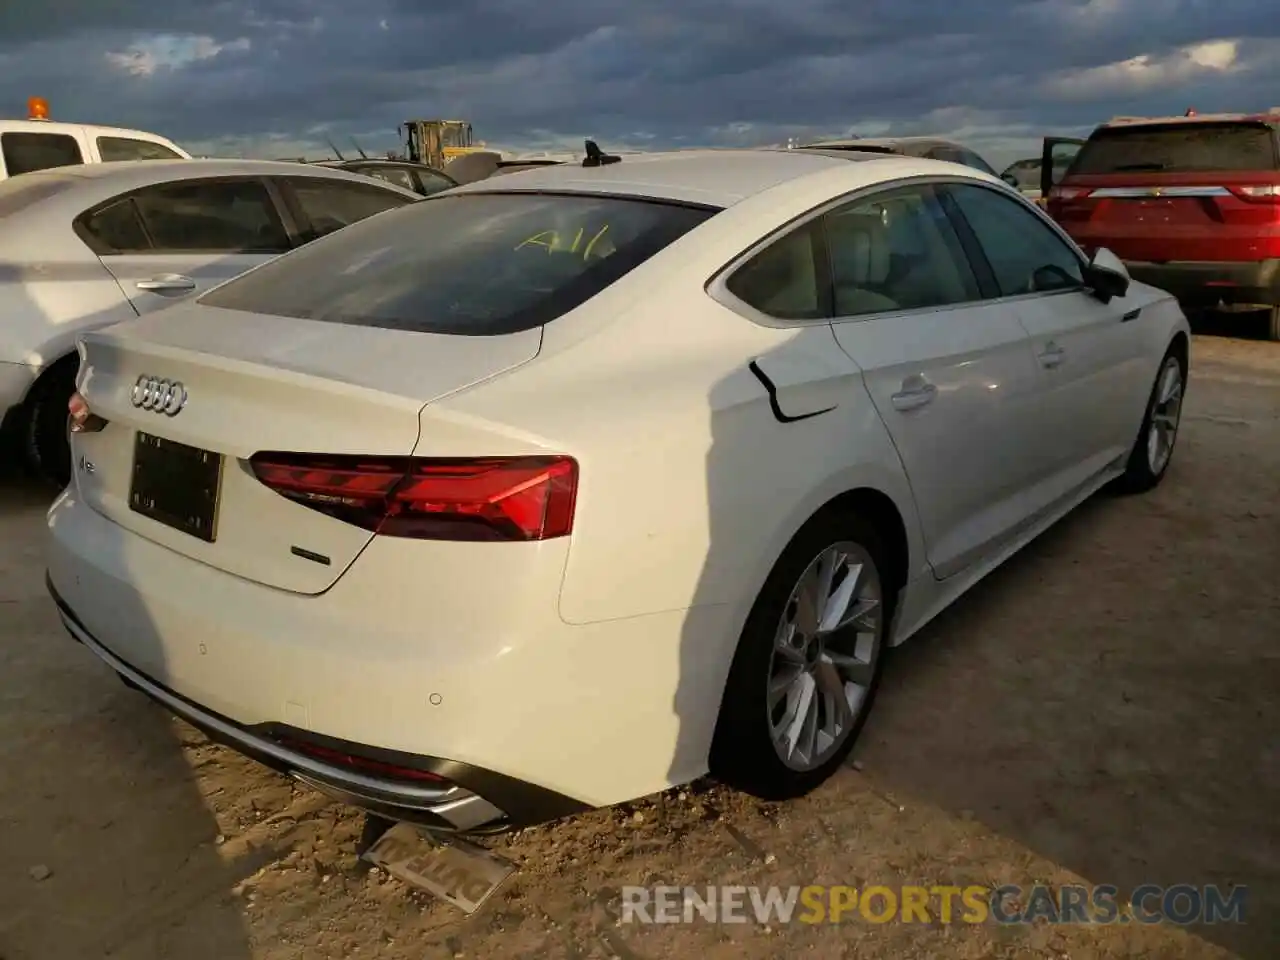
{"x":1179,"y":904}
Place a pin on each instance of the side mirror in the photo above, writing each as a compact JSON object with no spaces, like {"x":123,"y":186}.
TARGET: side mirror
{"x":1106,"y":275}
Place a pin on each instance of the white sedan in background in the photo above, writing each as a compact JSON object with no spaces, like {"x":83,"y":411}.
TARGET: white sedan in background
{"x":88,"y":245}
{"x":556,"y":490}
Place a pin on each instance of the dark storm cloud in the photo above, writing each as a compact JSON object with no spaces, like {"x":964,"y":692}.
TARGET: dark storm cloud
{"x":612,"y":68}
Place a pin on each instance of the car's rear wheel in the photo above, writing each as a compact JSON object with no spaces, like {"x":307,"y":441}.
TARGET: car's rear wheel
{"x":47,"y":448}
{"x":1273,"y":324}
{"x":1153,"y":450}
{"x":808,"y":663}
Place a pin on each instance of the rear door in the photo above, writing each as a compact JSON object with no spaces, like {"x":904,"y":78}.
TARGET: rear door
{"x":321,"y":205}
{"x":949,"y":371}
{"x":1089,"y":354}
{"x":175,"y":240}
{"x":1056,"y":156}
{"x":1193,"y":190}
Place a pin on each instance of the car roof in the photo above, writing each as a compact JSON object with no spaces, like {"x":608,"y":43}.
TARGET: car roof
{"x":1271,"y":116}
{"x":716,"y":178}
{"x":121,"y":175}
{"x":881,"y":142}
{"x":68,"y":126}
{"x":373,"y":162}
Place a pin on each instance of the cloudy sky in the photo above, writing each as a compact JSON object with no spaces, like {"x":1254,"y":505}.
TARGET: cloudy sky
{"x":274,"y":77}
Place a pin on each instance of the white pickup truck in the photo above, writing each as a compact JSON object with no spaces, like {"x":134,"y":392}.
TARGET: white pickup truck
{"x":39,"y":143}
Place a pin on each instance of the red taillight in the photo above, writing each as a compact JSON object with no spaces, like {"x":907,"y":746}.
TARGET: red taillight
{"x":1070,"y":193}
{"x":82,"y":419}
{"x":1259,"y":193}
{"x":363,"y":764}
{"x":487,"y":498}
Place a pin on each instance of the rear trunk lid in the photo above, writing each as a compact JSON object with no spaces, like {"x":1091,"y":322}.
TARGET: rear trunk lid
{"x":256,"y":383}
{"x":1178,"y":191}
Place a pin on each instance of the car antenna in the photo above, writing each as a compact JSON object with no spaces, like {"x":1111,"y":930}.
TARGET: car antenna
{"x":596,"y":157}
{"x":356,"y":143}
{"x":335,"y":149}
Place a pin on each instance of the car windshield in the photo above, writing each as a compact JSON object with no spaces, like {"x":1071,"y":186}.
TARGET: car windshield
{"x":472,"y":264}
{"x":1179,"y":148}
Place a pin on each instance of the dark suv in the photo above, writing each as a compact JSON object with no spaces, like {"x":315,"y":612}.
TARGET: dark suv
{"x":1191,"y":204}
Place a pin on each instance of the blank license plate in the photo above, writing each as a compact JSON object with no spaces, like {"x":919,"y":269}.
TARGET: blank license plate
{"x":176,"y":485}
{"x":452,"y":869}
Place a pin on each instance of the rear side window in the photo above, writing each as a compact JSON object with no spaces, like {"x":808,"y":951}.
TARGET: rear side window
{"x":227,"y":216}
{"x":971,"y":159}
{"x":330,"y":205}
{"x":430,"y":182}
{"x":1179,"y":148}
{"x":127,"y":148}
{"x":896,"y":251}
{"x":116,"y":229}
{"x":953,"y":153}
{"x":782,"y":279}
{"x":29,"y":152}
{"x":469,"y":264}
{"x":398,"y":175}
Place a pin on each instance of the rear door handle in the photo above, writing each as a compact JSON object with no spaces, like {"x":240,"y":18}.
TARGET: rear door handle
{"x":1052,"y":356}
{"x":1131,"y":315}
{"x":167,"y":283}
{"x":916,"y":392}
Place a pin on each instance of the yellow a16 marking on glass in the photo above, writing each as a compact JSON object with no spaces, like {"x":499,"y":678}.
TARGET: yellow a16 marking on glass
{"x":551,"y":240}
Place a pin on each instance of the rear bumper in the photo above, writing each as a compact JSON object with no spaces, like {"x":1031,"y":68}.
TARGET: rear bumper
{"x":465,"y":670}
{"x":465,"y":799}
{"x":1210,"y":283}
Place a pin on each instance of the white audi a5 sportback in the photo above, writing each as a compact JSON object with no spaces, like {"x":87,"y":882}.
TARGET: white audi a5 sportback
{"x":554,"y":490}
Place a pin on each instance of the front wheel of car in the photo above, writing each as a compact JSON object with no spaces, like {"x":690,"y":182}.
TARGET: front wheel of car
{"x":808,"y":662}
{"x":1153,"y":450}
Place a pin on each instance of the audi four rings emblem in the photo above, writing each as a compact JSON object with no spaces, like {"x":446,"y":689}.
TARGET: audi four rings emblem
{"x":161,"y":396}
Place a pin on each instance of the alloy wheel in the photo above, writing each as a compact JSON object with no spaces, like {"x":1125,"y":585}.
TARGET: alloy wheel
{"x":1166,"y":413}
{"x":824,"y":655}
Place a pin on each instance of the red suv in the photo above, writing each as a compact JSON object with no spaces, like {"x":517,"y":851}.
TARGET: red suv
{"x":1191,"y":204}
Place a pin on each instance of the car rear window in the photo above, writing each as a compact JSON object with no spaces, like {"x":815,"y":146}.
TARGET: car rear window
{"x":29,"y":152}
{"x":472,"y":264}
{"x":1179,"y":148}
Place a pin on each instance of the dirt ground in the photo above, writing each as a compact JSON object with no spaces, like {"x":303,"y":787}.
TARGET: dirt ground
{"x":1104,"y":709}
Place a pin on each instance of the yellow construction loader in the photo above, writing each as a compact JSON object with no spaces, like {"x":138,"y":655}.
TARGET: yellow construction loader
{"x":436,"y":142}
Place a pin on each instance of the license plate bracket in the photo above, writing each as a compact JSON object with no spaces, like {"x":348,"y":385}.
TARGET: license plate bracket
{"x":176,"y":485}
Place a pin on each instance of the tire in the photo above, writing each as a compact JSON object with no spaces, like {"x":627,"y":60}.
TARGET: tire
{"x":1273,"y":325}
{"x":1164,"y":406}
{"x":745,"y":752}
{"x":47,"y":448}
